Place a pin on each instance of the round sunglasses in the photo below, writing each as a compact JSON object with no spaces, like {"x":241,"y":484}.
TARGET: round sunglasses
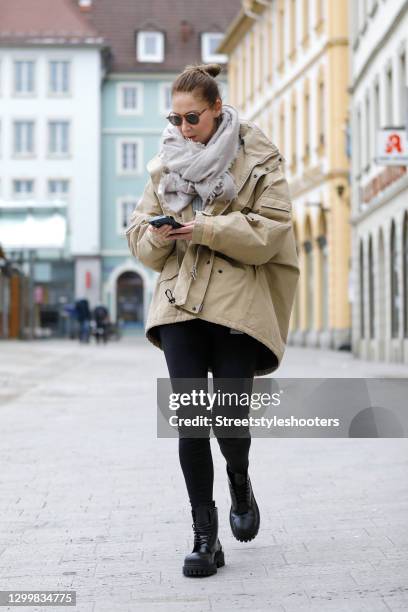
{"x":193,"y":117}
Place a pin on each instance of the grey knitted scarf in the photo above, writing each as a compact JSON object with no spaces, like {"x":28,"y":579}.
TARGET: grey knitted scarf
{"x":195,"y":169}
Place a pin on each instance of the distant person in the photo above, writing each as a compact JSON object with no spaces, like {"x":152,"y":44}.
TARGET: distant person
{"x":83,"y":315}
{"x":101,"y":318}
{"x":71,"y":317}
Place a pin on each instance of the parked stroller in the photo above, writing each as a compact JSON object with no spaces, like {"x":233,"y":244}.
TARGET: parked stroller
{"x":101,"y":325}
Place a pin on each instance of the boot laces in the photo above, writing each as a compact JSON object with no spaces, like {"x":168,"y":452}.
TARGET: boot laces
{"x":242,"y":494}
{"x":202,"y":533}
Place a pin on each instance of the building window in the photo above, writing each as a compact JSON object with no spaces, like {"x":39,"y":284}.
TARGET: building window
{"x":324,"y":277}
{"x":59,"y":77}
{"x":403,"y":87}
{"x":260,"y":39}
{"x":129,"y":156}
{"x":23,"y":138}
{"x":377,"y":117}
{"x":269,"y":47}
{"x":270,"y":125}
{"x":165,"y":101}
{"x":319,"y":14}
{"x":395,"y":299}
{"x":389,"y":97}
{"x":24,"y":78}
{"x":321,"y":118}
{"x":130,"y":98}
{"x":23,"y":188}
{"x":358,"y":142}
{"x":150,"y":46}
{"x":371,"y":288}
{"x":354,"y":26}
{"x":306,"y":125}
{"x":368,"y":132}
{"x":209,"y":43}
{"x":372,"y":6}
{"x":293,"y":34}
{"x":362,"y":317}
{"x":252,"y":66}
{"x":306,"y":22}
{"x":362,"y":14}
{"x":58,"y":138}
{"x":58,"y":189}
{"x":405,"y":272}
{"x":243,"y":79}
{"x":125,"y":208}
{"x":308,"y":248}
{"x":296,"y":302}
{"x":281,"y":34}
{"x":293,"y":128}
{"x":282,"y":128}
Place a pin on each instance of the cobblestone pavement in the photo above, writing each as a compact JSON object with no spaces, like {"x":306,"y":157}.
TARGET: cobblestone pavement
{"x":91,"y":500}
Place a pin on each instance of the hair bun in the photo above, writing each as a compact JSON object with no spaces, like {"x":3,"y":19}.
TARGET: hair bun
{"x":211,"y":70}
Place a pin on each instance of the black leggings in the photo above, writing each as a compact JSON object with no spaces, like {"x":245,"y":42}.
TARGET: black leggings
{"x":190,"y":347}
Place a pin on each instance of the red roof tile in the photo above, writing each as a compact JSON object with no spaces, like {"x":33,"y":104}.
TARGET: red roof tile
{"x":39,"y":21}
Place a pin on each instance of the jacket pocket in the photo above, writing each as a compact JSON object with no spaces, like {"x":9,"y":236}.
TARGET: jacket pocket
{"x":170,"y":269}
{"x":276,"y":210}
{"x":277,"y":205}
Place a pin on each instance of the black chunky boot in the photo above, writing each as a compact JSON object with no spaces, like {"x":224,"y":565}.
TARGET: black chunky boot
{"x":207,"y":553}
{"x":244,"y":513}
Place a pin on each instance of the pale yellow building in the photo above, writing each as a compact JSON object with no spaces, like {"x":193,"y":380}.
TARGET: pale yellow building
{"x":288,"y":73}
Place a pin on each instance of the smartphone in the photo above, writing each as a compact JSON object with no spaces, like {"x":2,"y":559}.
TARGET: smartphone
{"x":165,"y":220}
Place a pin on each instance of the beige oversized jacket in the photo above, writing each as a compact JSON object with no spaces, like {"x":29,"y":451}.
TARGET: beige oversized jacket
{"x":241,"y":268}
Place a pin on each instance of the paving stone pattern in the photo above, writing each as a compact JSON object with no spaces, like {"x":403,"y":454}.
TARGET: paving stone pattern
{"x":91,"y":500}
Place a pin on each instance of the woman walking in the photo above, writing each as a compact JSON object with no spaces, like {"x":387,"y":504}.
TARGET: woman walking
{"x":227,"y":280}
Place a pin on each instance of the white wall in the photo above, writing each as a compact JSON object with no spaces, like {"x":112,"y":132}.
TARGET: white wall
{"x":82,"y":108}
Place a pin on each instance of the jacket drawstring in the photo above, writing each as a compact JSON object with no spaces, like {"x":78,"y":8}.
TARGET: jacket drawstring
{"x":170,"y":296}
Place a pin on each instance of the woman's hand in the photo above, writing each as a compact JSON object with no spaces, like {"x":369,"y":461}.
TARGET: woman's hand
{"x":166,"y":232}
{"x":182,"y":233}
{"x":161,"y":233}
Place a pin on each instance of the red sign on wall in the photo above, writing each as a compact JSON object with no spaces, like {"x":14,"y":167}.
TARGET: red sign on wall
{"x":392,"y":147}
{"x":38,"y":294}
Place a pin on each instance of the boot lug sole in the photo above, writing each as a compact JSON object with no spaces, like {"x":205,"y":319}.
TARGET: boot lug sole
{"x":197,"y":571}
{"x":247,"y":537}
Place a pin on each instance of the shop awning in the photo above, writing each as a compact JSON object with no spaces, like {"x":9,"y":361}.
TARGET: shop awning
{"x":33,"y":232}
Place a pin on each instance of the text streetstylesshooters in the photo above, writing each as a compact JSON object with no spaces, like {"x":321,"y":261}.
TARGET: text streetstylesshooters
{"x":275,"y":421}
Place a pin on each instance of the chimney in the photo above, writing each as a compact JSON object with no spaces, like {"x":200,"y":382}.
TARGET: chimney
{"x":186,"y":30}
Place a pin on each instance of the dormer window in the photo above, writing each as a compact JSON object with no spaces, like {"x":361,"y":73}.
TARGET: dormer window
{"x":150,"y":46}
{"x":209,"y":44}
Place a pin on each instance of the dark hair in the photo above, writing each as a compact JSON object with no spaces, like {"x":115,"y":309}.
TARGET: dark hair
{"x":200,"y":80}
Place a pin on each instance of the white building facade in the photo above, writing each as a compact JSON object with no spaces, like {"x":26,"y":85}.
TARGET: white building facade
{"x":50,"y":163}
{"x":379,"y":30}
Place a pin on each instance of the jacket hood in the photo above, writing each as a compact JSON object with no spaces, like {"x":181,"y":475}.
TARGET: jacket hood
{"x":255,"y":142}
